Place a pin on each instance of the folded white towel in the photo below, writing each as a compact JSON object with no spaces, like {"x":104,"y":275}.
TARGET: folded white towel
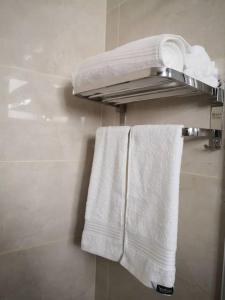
{"x":104,"y":217}
{"x":156,"y":51}
{"x":152,"y":203}
{"x":165,"y":50}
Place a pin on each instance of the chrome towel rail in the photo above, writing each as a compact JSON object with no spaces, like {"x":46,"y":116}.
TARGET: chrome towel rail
{"x":214,"y":136}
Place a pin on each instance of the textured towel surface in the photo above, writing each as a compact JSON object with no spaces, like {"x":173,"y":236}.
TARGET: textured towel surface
{"x":152,"y":203}
{"x":199,"y":65}
{"x":104,"y":218}
{"x":156,"y":51}
{"x":165,"y":50}
{"x":132,"y":207}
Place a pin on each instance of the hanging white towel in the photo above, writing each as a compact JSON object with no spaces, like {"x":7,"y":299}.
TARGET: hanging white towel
{"x":105,"y":209}
{"x":152,"y":203}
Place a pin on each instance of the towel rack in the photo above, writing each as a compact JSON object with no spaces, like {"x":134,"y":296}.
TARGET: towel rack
{"x":155,"y":83}
{"x":214,"y":136}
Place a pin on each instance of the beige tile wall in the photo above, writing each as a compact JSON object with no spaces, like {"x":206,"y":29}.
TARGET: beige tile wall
{"x":46,"y":147}
{"x":201,"y":206}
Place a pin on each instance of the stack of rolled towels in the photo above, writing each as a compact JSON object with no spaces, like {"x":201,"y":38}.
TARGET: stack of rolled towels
{"x":165,"y":50}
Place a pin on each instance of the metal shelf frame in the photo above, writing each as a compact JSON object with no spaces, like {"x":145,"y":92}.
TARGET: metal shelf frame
{"x":157,"y":83}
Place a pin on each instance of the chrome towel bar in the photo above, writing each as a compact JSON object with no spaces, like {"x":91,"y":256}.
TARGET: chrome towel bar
{"x":214,"y":136}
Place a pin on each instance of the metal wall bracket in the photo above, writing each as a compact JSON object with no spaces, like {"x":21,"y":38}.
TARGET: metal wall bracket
{"x":122,"y":109}
{"x":215,"y":140}
{"x":216,"y":125}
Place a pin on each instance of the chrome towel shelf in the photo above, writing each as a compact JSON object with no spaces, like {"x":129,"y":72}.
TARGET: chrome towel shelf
{"x":155,"y":83}
{"x":151,"y":84}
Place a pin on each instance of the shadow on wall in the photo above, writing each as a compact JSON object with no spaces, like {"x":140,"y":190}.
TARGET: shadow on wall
{"x":221,"y":235}
{"x":91,"y":110}
{"x":83,"y":191}
{"x":80,"y":106}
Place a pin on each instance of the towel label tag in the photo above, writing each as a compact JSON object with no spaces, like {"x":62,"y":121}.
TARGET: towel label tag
{"x":164,"y":290}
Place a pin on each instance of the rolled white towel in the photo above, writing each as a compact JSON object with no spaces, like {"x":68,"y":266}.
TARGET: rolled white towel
{"x":199,"y":60}
{"x":156,"y":51}
{"x":165,"y":50}
{"x":199,"y":65}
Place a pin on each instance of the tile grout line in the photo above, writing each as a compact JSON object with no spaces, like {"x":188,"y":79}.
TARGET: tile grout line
{"x":108,"y":281}
{"x":122,"y":2}
{"x":78,"y":161}
{"x":118,"y":27}
{"x":33,"y":247}
{"x":95,"y":277}
{"x":35,"y":71}
{"x":37,"y":161}
{"x":199,"y":175}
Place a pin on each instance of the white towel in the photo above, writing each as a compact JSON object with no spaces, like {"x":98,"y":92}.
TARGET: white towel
{"x":104,"y":217}
{"x":152,"y":203}
{"x":156,"y":51}
{"x":137,"y":227}
{"x":199,"y":65}
{"x":165,"y":50}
